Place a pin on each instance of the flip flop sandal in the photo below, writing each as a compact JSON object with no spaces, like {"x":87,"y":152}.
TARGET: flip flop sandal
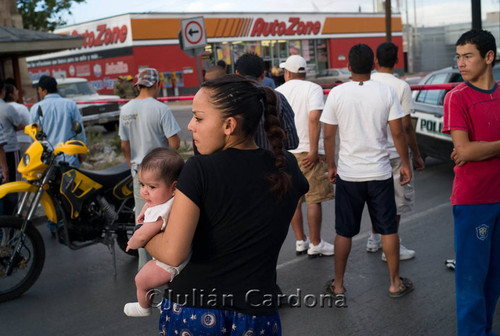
{"x":406,"y":287}
{"x":450,"y":264}
{"x":340,"y":299}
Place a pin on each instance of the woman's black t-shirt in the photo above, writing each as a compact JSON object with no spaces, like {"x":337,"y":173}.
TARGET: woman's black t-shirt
{"x":240,"y":232}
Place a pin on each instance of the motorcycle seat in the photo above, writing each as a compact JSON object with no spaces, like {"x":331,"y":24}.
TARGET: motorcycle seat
{"x":108,"y":177}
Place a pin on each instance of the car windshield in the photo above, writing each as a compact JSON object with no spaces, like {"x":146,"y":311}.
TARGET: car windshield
{"x":496,"y":72}
{"x":323,"y":73}
{"x":76,"y":89}
{"x":345,"y":71}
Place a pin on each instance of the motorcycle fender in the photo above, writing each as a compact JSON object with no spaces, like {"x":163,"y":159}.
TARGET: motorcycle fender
{"x":20,"y":186}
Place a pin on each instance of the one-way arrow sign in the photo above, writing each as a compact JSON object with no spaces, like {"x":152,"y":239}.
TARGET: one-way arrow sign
{"x":193,"y":33}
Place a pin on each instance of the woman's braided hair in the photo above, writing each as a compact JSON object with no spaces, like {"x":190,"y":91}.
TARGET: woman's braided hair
{"x":281,"y":180}
{"x":236,"y":95}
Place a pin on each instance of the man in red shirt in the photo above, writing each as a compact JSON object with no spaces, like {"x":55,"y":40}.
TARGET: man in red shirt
{"x":472,"y":117}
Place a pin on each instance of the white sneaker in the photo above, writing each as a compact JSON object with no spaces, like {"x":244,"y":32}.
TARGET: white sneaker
{"x":322,"y":249}
{"x":404,"y":253}
{"x":301,"y":246}
{"x":374,"y":242}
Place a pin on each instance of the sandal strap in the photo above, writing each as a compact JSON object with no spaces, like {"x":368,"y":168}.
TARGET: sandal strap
{"x":340,"y":301}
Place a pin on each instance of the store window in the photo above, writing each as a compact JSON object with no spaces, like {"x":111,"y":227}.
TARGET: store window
{"x":240,"y":48}
{"x":315,"y":52}
{"x":309,"y":55}
{"x":321,"y":49}
{"x":207,"y":57}
{"x":223,"y":52}
{"x":254,"y":48}
{"x":267,"y":54}
{"x":294,"y":48}
{"x":280,"y":51}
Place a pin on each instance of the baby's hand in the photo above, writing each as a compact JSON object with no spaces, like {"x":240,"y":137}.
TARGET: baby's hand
{"x":140,"y":217}
{"x":133,"y":243}
{"x":129,"y":247}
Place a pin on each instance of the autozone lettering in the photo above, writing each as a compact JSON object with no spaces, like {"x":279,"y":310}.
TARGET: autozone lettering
{"x":280,"y":28}
{"x":103,"y":36}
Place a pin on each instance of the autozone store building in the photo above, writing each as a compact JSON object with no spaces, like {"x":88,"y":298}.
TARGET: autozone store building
{"x":122,"y":45}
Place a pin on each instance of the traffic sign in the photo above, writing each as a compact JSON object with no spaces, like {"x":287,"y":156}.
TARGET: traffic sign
{"x":193,"y":33}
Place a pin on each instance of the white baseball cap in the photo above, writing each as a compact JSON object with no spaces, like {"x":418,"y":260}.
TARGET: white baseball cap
{"x":295,"y":63}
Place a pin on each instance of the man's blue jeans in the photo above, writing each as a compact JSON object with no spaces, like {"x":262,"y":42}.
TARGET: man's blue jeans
{"x":477,"y":272}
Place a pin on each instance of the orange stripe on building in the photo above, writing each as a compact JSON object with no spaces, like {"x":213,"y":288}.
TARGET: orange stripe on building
{"x":239,"y":27}
{"x":220,"y":27}
{"x":153,"y":29}
{"x":227,"y":28}
{"x":231,"y":27}
{"x":211,"y":26}
{"x":339,"y":25}
{"x":227,"y":25}
{"x":217,"y":27}
{"x":247,"y":27}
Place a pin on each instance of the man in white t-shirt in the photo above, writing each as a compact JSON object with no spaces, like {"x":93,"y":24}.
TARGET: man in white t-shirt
{"x":11,"y":122}
{"x":307,"y":101}
{"x":361,"y":110}
{"x":145,"y":124}
{"x":4,"y":175}
{"x":386,"y":58}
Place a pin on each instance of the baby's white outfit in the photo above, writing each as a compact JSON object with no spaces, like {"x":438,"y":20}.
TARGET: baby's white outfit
{"x":151,"y":215}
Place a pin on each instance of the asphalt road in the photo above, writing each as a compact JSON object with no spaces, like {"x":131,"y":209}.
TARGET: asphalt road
{"x":182,"y":112}
{"x":77,"y":293}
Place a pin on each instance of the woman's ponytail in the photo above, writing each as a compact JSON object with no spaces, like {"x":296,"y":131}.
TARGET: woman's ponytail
{"x":280,"y":180}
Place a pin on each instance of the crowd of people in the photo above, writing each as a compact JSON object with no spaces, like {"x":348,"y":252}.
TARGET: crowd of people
{"x":264,"y":150}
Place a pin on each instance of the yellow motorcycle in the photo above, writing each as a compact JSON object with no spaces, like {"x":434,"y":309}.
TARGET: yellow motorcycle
{"x":89,"y":207}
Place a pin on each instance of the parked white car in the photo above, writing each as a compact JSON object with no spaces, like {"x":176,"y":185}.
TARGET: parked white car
{"x":329,"y":77}
{"x":80,"y":90}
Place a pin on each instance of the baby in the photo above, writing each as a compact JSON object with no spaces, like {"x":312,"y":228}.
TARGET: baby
{"x":158,"y":174}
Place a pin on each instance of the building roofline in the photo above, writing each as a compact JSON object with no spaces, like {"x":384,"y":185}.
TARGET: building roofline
{"x":24,"y":42}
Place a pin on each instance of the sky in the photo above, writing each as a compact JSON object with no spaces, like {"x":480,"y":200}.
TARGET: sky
{"x":428,"y":12}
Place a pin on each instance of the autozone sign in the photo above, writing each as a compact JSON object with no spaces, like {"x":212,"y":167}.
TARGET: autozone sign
{"x":294,"y":26}
{"x":103,"y":36}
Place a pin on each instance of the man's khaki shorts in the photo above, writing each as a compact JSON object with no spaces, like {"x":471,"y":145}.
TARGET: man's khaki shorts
{"x":404,"y":194}
{"x":320,"y":189}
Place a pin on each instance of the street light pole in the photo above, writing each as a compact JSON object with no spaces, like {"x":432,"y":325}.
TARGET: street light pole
{"x":388,"y":26}
{"x":409,"y":41}
{"x":476,"y":14}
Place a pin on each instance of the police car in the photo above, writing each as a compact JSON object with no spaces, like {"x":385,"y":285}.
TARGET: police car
{"x":427,"y":117}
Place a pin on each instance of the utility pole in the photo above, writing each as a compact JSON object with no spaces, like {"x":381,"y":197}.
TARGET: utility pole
{"x":415,"y":32}
{"x":476,"y":14}
{"x":409,"y":40}
{"x":388,"y":26}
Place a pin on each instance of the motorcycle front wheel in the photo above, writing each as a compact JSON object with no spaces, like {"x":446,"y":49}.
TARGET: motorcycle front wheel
{"x":122,"y":238}
{"x":126,"y":228}
{"x":28,"y":263}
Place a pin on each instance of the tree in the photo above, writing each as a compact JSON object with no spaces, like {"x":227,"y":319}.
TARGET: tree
{"x":44,"y":15}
